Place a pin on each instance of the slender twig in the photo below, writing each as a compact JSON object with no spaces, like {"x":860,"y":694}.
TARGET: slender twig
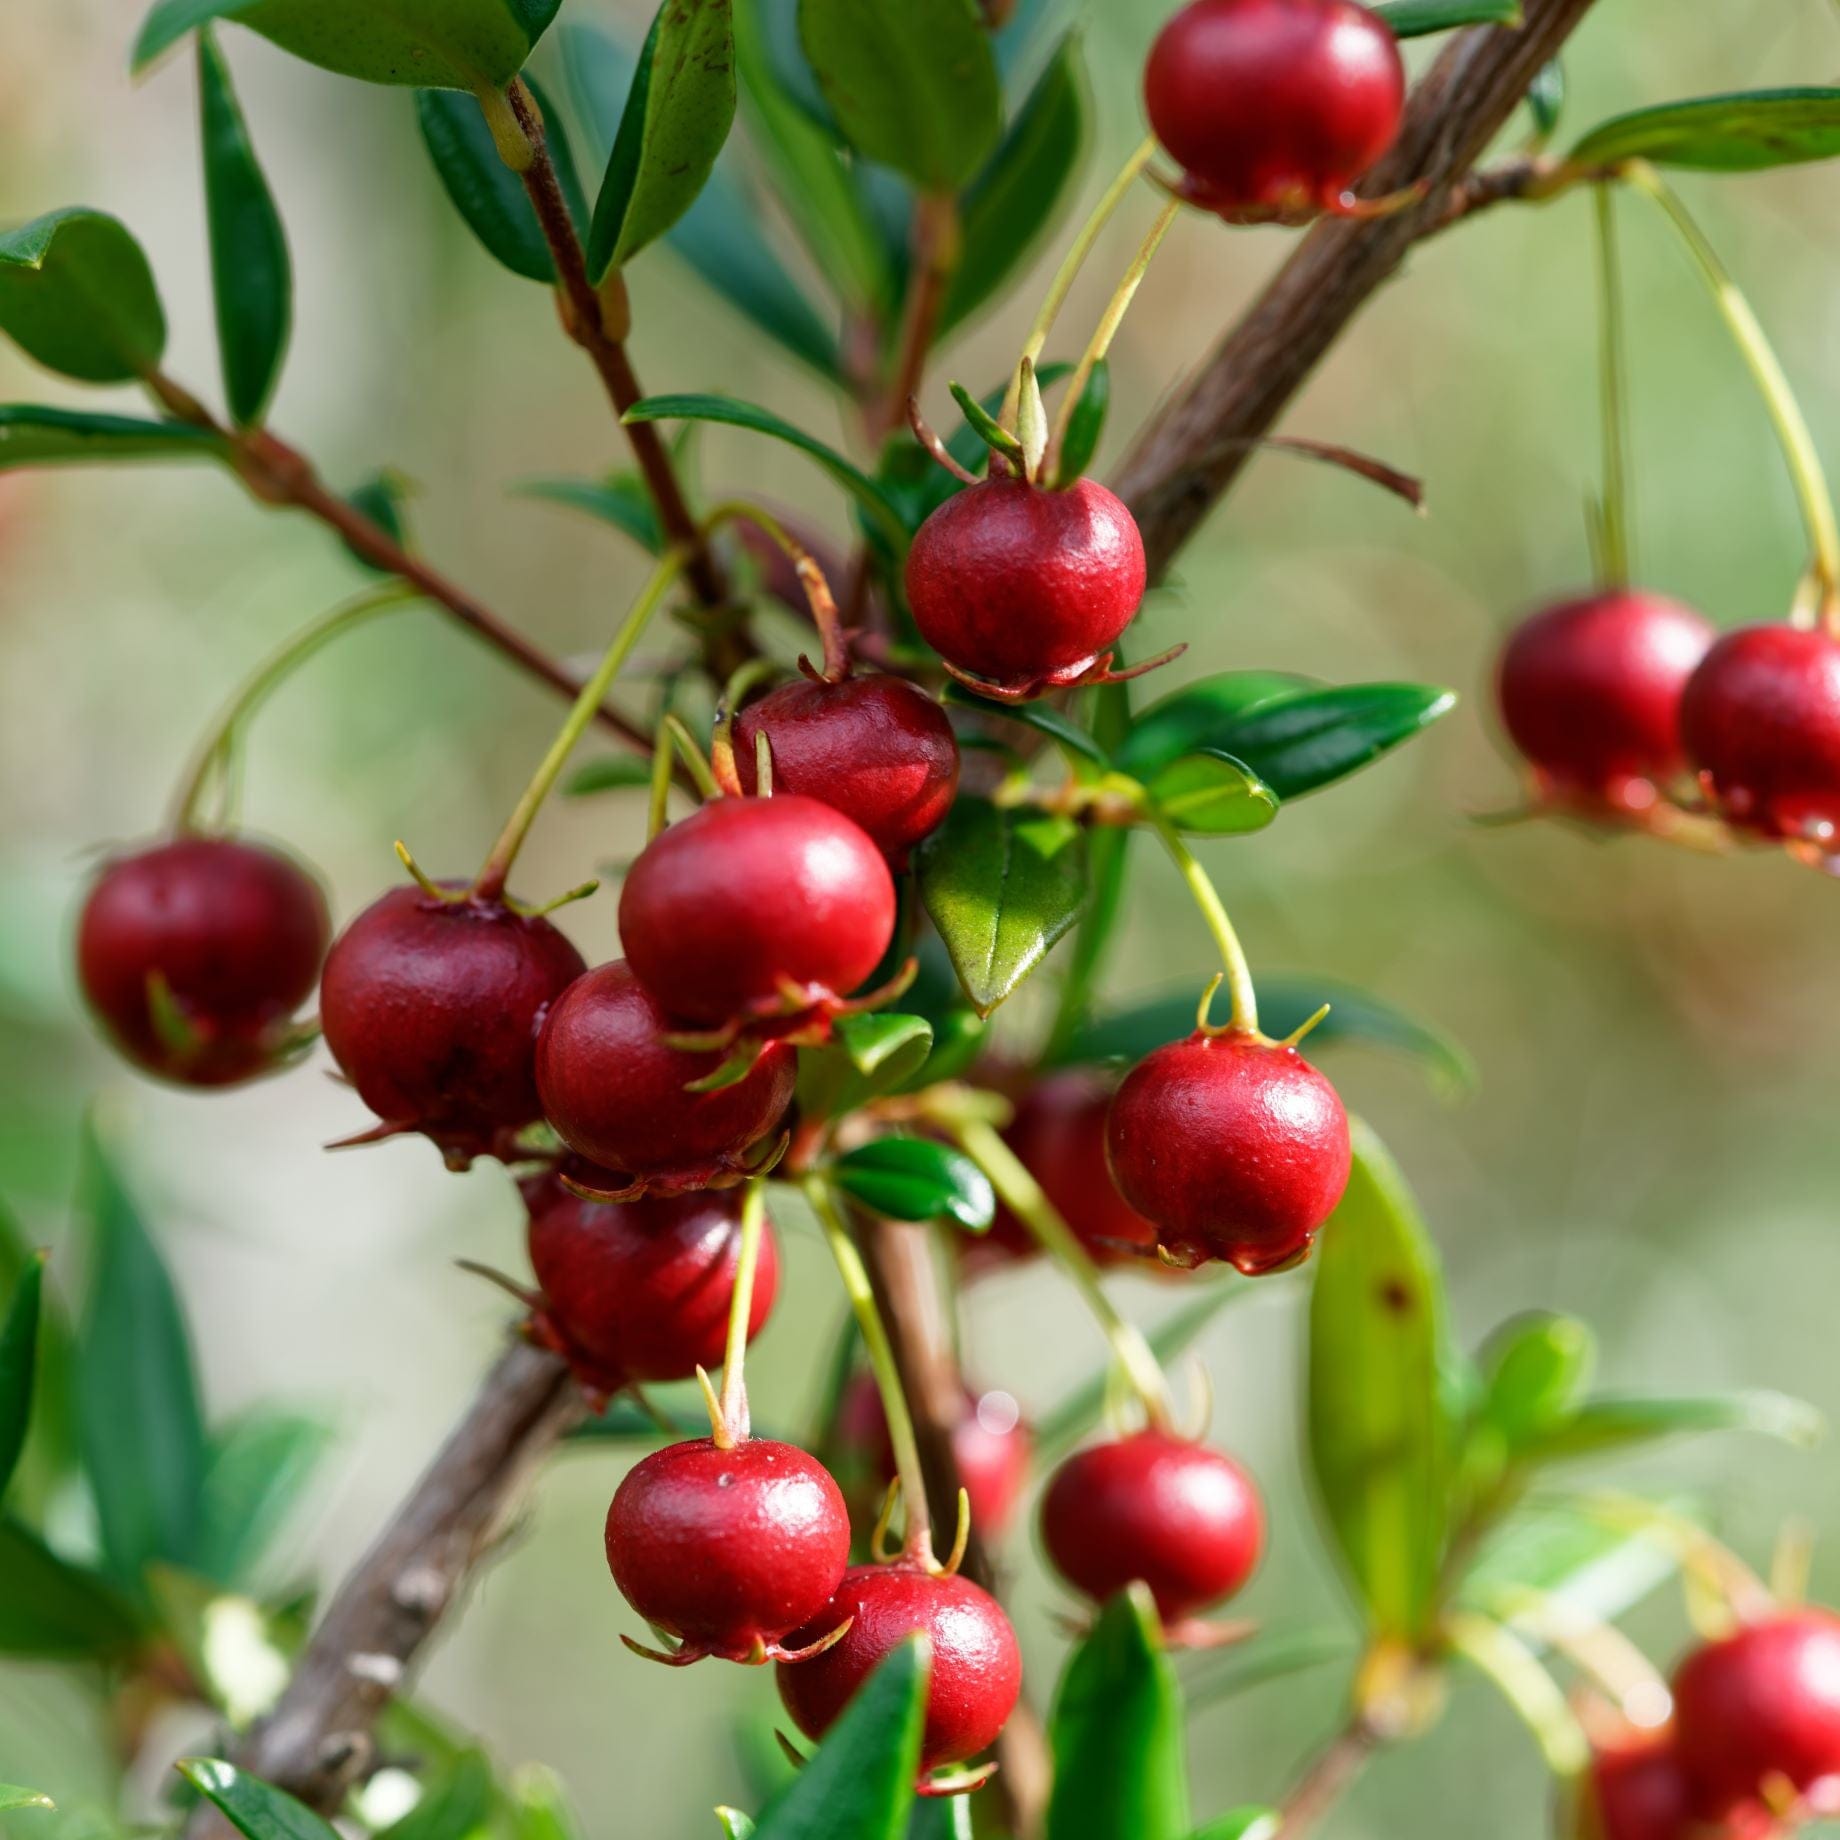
{"x":1325,"y":1780}
{"x":1613,"y":513}
{"x":936,"y":245}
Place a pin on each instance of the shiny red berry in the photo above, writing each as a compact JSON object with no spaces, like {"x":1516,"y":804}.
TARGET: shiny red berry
{"x":640,"y":1290}
{"x":1761,"y":717}
{"x":728,"y":1550}
{"x":749,"y":903}
{"x":1636,"y":1790}
{"x":977,"y":1667}
{"x":1590,"y":692}
{"x":1023,"y":587}
{"x":876,"y":748}
{"x":195,"y":954}
{"x":431,"y":1009}
{"x":1235,"y":1148}
{"x":1274,"y":108}
{"x":615,"y":1092}
{"x":1184,"y":1519}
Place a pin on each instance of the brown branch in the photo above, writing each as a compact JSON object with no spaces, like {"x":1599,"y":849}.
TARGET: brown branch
{"x":1326,"y":1780}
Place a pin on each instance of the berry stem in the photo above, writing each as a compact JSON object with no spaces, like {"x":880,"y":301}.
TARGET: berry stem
{"x":664,"y":755}
{"x":489,"y":884}
{"x":1238,"y":973}
{"x":1613,"y":402}
{"x":734,"y":1424}
{"x":818,"y":595}
{"x":1500,"y":1654}
{"x":1753,"y":343}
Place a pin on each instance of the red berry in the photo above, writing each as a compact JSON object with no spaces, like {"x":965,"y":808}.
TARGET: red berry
{"x":877,"y":748}
{"x":195,"y":954}
{"x":1761,"y":719}
{"x":723,"y":912}
{"x":1590,"y":692}
{"x":431,"y":1007}
{"x":977,"y":1667}
{"x":1025,"y":587}
{"x":728,"y":1550}
{"x":1636,"y":1790}
{"x":1762,"y":1705}
{"x":615,"y":1093}
{"x":1274,"y":108}
{"x":1182,"y":1518}
{"x":640,"y":1290}
{"x":1235,"y":1148}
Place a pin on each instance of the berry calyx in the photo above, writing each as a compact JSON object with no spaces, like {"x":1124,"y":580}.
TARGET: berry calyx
{"x":729,"y":1550}
{"x":876,"y":748}
{"x":1021,"y":589}
{"x":757,"y":908}
{"x":1233,"y":1146}
{"x":195,"y":955}
{"x":431,"y":1007}
{"x":1274,"y":108}
{"x":1761,"y":721}
{"x":977,"y":1666}
{"x":1590,"y":692}
{"x":640,"y":1290}
{"x":1184,"y":1519}
{"x":615,"y":1090}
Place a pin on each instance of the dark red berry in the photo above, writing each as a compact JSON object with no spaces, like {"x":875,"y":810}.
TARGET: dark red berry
{"x":1235,"y":1148}
{"x":977,"y":1667}
{"x":1184,"y":1519}
{"x":749,"y":905}
{"x":640,"y":1290}
{"x":1274,"y":108}
{"x":195,"y":954}
{"x":615,"y":1092}
{"x":1022,"y":587}
{"x":1761,"y":718}
{"x":1636,"y":1790}
{"x":1590,"y":692}
{"x":728,"y":1550}
{"x":876,"y":748}
{"x":431,"y":1008}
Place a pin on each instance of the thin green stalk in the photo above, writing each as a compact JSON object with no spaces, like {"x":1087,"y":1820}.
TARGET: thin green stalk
{"x":1232,"y":954}
{"x":735,"y":1425}
{"x":658,"y":803}
{"x":1528,"y":1688}
{"x":490,"y":882}
{"x":1613,"y":401}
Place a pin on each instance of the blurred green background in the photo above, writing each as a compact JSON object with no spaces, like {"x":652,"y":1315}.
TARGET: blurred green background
{"x":1652,"y":1142}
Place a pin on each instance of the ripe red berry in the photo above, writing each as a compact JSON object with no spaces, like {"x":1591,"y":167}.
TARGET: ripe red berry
{"x":876,"y":748}
{"x":1590,"y":692}
{"x":431,"y":1008}
{"x":1184,"y":1519}
{"x":749,"y":901}
{"x":615,"y":1092}
{"x":1235,"y":1148}
{"x":1022,"y":587}
{"x":729,"y":1550}
{"x":640,"y":1290}
{"x":977,"y":1667}
{"x":1636,"y":1790}
{"x":1761,"y":717}
{"x":1274,"y":108}
{"x":195,"y":954}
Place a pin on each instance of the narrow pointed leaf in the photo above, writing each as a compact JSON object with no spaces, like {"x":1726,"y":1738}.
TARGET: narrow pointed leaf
{"x":1194,"y":716}
{"x":55,"y":1611}
{"x":19,"y":1365}
{"x":454,"y":1807}
{"x":619,"y":500}
{"x":1242,"y":1824}
{"x":50,"y":1454}
{"x":612,"y":773}
{"x":1042,"y":717}
{"x":1591,"y":1566}
{"x":1534,"y":1369}
{"x":1608,"y":1424}
{"x":1416,"y":18}
{"x":258,"y":1469}
{"x":12,"y":1797}
{"x":76,"y":294}
{"x":735,"y":1824}
{"x":1737,"y":133}
{"x":910,"y":1178}
{"x":1211,"y":794}
{"x":1546,"y":100}
{"x":257,"y":1810}
{"x":34,"y":436}
{"x":1087,"y":423}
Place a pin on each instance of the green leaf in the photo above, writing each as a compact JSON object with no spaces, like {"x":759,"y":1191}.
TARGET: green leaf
{"x":50,"y":1454}
{"x":1116,"y":1732}
{"x":252,"y":281}
{"x":1546,"y":100}
{"x":1593,"y":1566}
{"x":455,"y":1806}
{"x":1087,"y":422}
{"x":1255,"y":1823}
{"x":12,"y":1797}
{"x":611,"y":773}
{"x":538,"y":1807}
{"x":1416,"y":18}
{"x":619,"y":500}
{"x":871,"y":1055}
{"x":34,"y":436}
{"x":53,"y":1610}
{"x":678,"y":114}
{"x":860,"y":1783}
{"x":1014,"y":201}
{"x":913,"y":84}
{"x":735,"y":1824}
{"x":1380,"y":1433}
{"x":1042,"y":717}
{"x":985,"y":425}
{"x":258,"y":1468}
{"x":19,"y":1365}
{"x":1001,"y":887}
{"x":1210,"y":794}
{"x":1534,"y":1370}
{"x":1607,"y":1424}
{"x":1193,"y":716}
{"x":77,"y":295}
{"x":870,"y":496}
{"x":256,"y":1809}
{"x":141,"y":1427}
{"x":1744,"y":132}
{"x":910,"y":1178}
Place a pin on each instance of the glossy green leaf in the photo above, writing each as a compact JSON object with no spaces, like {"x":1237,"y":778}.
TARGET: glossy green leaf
{"x":860,"y":1783}
{"x":1014,"y":201}
{"x":1416,"y":18}
{"x":1001,"y":887}
{"x":141,"y":1427}
{"x":1380,"y":1434}
{"x":911,"y":1178}
{"x":31,"y":435}
{"x":871,"y":1054}
{"x":1738,"y":133}
{"x":678,"y":114}
{"x":53,"y":1610}
{"x":1256,"y":1823}
{"x":19,"y":1365}
{"x":252,"y":280}
{"x":1535,"y":1368}
{"x":257,"y":1810}
{"x":1210,"y":794}
{"x":619,"y":500}
{"x":77,"y":295}
{"x":13,"y":1797}
{"x":1042,"y":717}
{"x":1116,"y":1732}
{"x":50,"y":1454}
{"x":1546,"y":100}
{"x":1087,"y":423}
{"x":912,"y":84}
{"x":258,"y":1468}
{"x":984,"y":424}
{"x":383,"y":498}
{"x":1195,"y":715}
{"x":611,"y":773}
{"x":735,"y":1824}
{"x":457,"y":1804}
{"x":1608,"y":1424}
